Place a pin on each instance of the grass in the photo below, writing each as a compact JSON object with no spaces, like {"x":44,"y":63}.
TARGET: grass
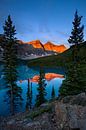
{"x":39,"y":112}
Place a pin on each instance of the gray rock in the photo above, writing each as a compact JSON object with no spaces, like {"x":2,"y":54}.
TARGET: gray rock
{"x":12,"y":121}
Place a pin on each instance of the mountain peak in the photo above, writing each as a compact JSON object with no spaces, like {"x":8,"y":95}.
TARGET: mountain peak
{"x":36,"y":44}
{"x":47,"y":46}
{"x":52,"y":47}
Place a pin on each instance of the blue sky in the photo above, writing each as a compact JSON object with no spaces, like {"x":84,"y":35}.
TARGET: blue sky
{"x":46,"y":20}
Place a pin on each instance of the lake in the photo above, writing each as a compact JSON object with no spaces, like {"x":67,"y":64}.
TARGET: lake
{"x":20,"y":103}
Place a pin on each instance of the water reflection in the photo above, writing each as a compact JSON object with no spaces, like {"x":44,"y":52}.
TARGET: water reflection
{"x":31,"y":86}
{"x":48,"y":77}
{"x":20,"y":95}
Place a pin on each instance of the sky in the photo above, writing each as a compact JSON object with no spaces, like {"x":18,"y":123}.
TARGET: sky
{"x":45,"y":20}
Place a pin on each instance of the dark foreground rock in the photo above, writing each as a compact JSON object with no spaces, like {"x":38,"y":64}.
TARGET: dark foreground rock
{"x":68,"y":113}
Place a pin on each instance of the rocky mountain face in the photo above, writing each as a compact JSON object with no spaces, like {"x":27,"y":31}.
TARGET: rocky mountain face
{"x":30,"y":51}
{"x":56,"y":48}
{"x":34,"y":49}
{"x":47,"y":46}
{"x":68,"y":113}
{"x":36,"y":44}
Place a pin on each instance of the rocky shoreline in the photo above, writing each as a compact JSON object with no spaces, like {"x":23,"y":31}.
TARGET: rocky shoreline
{"x":68,"y":113}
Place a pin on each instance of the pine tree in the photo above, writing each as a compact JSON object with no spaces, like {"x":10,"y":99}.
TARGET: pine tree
{"x":74,"y":82}
{"x":77,"y":36}
{"x":29,"y":96}
{"x":10,"y":59}
{"x":41,"y":89}
{"x":77,"y":31}
{"x":2,"y":40}
{"x":53,"y":93}
{"x":10,"y":52}
{"x":14,"y":99}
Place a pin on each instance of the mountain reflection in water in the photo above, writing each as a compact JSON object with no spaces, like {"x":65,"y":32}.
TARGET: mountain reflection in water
{"x":48,"y":77}
{"x":53,"y":76}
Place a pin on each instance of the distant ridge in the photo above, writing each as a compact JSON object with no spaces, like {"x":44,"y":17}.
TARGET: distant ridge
{"x":47,"y":46}
{"x":63,"y":59}
{"x":57,"y":48}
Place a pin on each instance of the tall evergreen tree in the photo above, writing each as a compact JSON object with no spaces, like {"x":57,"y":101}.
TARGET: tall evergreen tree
{"x":41,"y":89}
{"x":77,"y":31}
{"x":74,"y":82}
{"x":2,"y":40}
{"x":10,"y":52}
{"x":77,"y":35}
{"x":14,"y":99}
{"x":29,"y":96}
{"x":10,"y":58}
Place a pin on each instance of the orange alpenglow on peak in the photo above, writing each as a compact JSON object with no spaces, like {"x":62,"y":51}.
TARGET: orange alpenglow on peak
{"x":47,"y":46}
{"x":48,"y":77}
{"x":36,"y":44}
{"x":52,"y":47}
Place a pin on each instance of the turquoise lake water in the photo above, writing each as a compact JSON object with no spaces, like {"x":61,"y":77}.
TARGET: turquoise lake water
{"x":25,"y":73}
